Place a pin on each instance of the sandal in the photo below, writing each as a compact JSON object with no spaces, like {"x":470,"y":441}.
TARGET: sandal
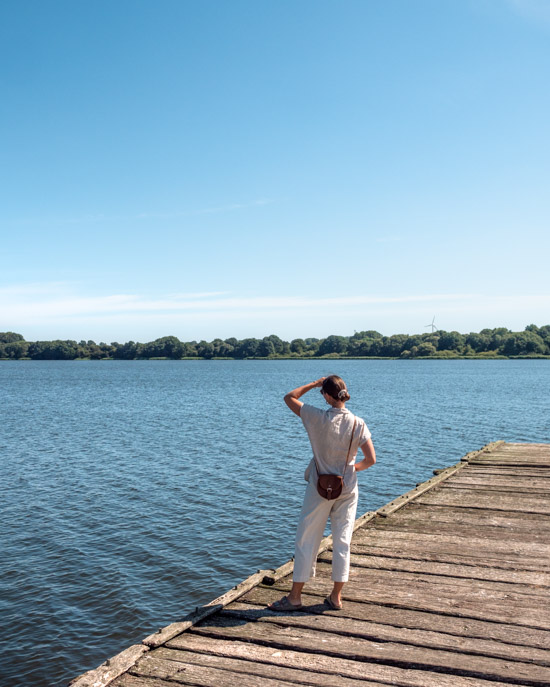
{"x":284,"y":605}
{"x":330,"y":603}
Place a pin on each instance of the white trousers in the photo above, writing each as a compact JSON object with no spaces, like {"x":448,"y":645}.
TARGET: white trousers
{"x":315,"y":512}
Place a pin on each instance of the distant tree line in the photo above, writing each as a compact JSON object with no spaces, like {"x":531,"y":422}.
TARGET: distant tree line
{"x":532,"y":342}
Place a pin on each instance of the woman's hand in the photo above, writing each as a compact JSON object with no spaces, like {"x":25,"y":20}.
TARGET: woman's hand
{"x":291,"y":399}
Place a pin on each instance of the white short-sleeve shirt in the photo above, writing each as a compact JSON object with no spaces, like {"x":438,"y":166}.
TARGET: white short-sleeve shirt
{"x":329,"y":433}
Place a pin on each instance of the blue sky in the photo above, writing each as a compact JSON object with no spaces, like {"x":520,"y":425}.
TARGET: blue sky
{"x":217,"y":168}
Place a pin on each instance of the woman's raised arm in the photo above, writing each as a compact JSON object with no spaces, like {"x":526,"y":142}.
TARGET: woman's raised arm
{"x":291,"y":399}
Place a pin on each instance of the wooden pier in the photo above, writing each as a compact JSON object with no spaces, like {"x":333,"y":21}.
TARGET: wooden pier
{"x":449,"y":587}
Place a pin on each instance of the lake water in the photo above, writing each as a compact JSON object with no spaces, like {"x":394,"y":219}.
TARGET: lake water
{"x":134,"y":491}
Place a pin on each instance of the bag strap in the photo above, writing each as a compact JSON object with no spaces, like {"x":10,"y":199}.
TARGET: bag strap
{"x":349,"y":447}
{"x":349,"y":450}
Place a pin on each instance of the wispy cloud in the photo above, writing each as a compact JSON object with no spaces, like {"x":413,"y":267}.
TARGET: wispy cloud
{"x":53,"y":310}
{"x":35,"y":301}
{"x":57,"y":313}
{"x":99,"y":217}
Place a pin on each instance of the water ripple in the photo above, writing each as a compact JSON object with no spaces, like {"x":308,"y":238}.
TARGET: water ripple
{"x":129,"y":497}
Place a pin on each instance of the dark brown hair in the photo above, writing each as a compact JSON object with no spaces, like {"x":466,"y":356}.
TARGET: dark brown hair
{"x":335,"y":387}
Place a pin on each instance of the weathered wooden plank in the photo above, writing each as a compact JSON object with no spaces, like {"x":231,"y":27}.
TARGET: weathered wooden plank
{"x":128,"y":680}
{"x":420,"y":489}
{"x":522,"y":449}
{"x":486,"y":501}
{"x":111,"y":669}
{"x":453,"y":554}
{"x":440,"y":477}
{"x":520,"y":595}
{"x":511,"y":461}
{"x":470,"y":602}
{"x":508,"y":451}
{"x":535,"y":492}
{"x":398,"y":654}
{"x":503,"y":482}
{"x":189,"y":668}
{"x":502,"y":471}
{"x":316,"y":618}
{"x":503,"y":524}
{"x":414,"y":619}
{"x":465,"y":530}
{"x":538,"y":459}
{"x":490,"y":473}
{"x":436,"y":541}
{"x":490,"y":500}
{"x":484,"y":481}
{"x":511,"y":464}
{"x":467,"y":572}
{"x":321,"y":667}
{"x":519,"y":456}
{"x":204,"y":674}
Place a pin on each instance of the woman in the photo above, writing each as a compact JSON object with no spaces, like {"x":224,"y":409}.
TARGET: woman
{"x":335,"y":435}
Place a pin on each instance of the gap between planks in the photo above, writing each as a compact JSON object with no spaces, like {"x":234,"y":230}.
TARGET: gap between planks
{"x":317,"y":619}
{"x":327,"y":671}
{"x":387,"y":653}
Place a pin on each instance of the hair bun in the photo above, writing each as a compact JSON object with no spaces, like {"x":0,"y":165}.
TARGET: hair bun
{"x":335,"y":387}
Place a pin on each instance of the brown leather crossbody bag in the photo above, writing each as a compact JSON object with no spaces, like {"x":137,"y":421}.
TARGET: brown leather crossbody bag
{"x":330,"y":486}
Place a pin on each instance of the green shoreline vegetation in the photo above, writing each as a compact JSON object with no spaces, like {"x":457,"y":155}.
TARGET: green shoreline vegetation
{"x":533,"y":342}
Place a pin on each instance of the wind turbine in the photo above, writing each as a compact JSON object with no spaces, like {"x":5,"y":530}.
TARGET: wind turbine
{"x":432,"y":325}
